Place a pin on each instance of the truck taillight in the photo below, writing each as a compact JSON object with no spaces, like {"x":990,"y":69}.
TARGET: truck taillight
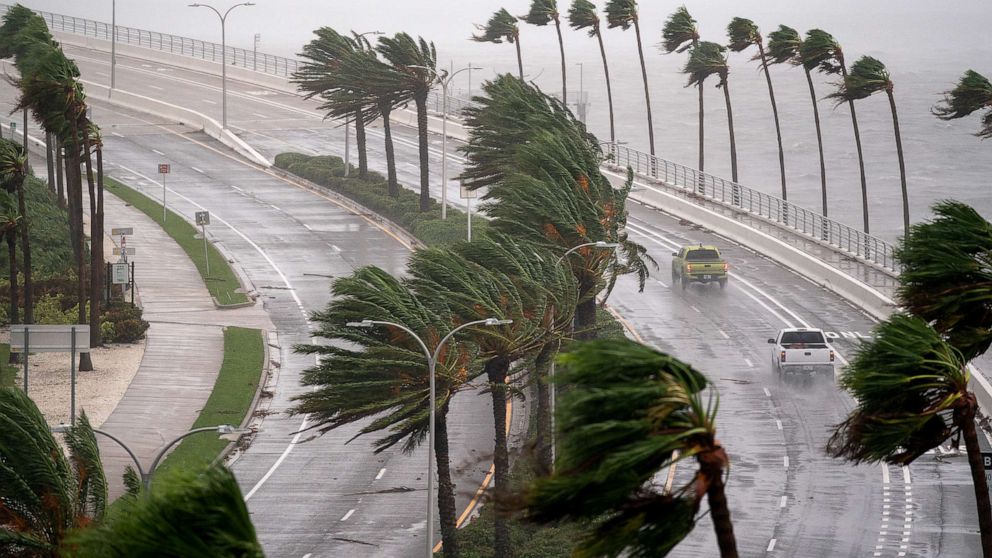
{"x":726,"y":266}
{"x":781,"y":356}
{"x":831,"y":356}
{"x":688,"y":268}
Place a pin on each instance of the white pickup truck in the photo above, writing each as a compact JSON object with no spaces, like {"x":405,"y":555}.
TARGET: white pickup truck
{"x":802,"y":351}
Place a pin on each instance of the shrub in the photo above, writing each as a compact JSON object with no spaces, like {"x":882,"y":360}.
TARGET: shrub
{"x":126,"y":324}
{"x":284,"y":160}
{"x":51,"y":309}
{"x":326,"y":161}
{"x":128,"y":331}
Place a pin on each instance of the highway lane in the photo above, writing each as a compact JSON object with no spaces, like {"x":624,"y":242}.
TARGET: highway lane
{"x":828,"y":505}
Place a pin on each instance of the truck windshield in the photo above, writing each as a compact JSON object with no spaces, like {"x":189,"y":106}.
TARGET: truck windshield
{"x":702,"y":255}
{"x":802,"y":337}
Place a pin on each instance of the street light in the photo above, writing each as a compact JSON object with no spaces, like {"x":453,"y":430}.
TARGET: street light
{"x":445,"y":81}
{"x":431,"y":364}
{"x":226,"y":431}
{"x":223,"y":54}
{"x":347,"y":122}
{"x":113,"y":44}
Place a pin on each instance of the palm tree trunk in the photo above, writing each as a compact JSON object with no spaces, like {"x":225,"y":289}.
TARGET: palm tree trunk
{"x":778,"y":129}
{"x":702,"y":158}
{"x":11,"y":236}
{"x":391,"y":185}
{"x":609,"y":89}
{"x":96,"y":248}
{"x":25,"y":253}
{"x":966,"y":422}
{"x":545,"y":436}
{"x":496,"y":370}
{"x":561,"y":49}
{"x":520,"y":60}
{"x":730,"y":125}
{"x":445,"y":487}
{"x":861,"y":157}
{"x":902,"y":163}
{"x":585,"y":316}
{"x":647,"y":93}
{"x":25,"y":135}
{"x":363,"y":156}
{"x":50,"y":161}
{"x":819,"y":142}
{"x":74,"y":187}
{"x":425,"y":171}
{"x":98,"y":229}
{"x":722,"y":524}
{"x":59,"y":167}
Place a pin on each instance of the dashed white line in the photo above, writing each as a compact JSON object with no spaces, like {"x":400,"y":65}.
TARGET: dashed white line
{"x":236,"y":188}
{"x":749,"y":363}
{"x":784,"y":502}
{"x":381,"y":472}
{"x":116,"y":134}
{"x":347,"y":515}
{"x":660,"y":283}
{"x":259,"y":115}
{"x":158,"y":152}
{"x":724,"y":334}
{"x":771,"y":545}
{"x":698,"y":311}
{"x":767,"y":393}
{"x":905,"y":475}
{"x":276,"y":207}
{"x":197,"y":170}
{"x":778,"y":424}
{"x":209,"y":101}
{"x":307,"y":555}
{"x":156,"y":87}
{"x":785,"y":461}
{"x":307,"y":227}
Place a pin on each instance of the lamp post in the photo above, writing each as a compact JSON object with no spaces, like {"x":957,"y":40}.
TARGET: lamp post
{"x":598,"y":244}
{"x":254,"y":52}
{"x":223,"y":54}
{"x":113,"y":45}
{"x":347,"y":122}
{"x":225,"y":430}
{"x":581,"y":104}
{"x":445,"y":81}
{"x":431,"y":365}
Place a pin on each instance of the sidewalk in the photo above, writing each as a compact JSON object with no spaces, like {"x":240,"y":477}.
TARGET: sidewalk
{"x":184,"y":345}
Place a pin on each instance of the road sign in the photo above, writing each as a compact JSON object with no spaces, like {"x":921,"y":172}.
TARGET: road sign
{"x":123,"y":231}
{"x":121,"y":273}
{"x":468,"y":194}
{"x":128,"y":251}
{"x":50,"y":338}
{"x":202,"y":217}
{"x":13,"y":128}
{"x":163,"y":168}
{"x":987,"y":460}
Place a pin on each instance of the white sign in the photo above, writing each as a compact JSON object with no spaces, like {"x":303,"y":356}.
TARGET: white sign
{"x":465,"y":193}
{"x":202,"y":217}
{"x":129,"y":251}
{"x":121,"y":273}
{"x":50,"y":338}
{"x":123,"y":231}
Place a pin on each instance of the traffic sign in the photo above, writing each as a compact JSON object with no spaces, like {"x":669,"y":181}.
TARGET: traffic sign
{"x":117,"y":251}
{"x":121,"y":273}
{"x":163,"y":168}
{"x":468,"y":194}
{"x":123,"y":231}
{"x":202,"y":217}
{"x":987,"y":460}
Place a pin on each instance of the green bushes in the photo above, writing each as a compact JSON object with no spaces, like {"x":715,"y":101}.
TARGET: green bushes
{"x":122,"y":323}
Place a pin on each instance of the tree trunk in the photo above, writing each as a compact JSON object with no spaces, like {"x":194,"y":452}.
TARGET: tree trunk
{"x":778,"y":130}
{"x":74,"y":187}
{"x":702,"y":158}
{"x":445,"y":487}
{"x":25,"y":253}
{"x":496,"y":370}
{"x":609,"y":90}
{"x":720,"y":513}
{"x":520,"y":59}
{"x":50,"y":161}
{"x":819,"y":142}
{"x":425,"y":161}
{"x":98,"y":229}
{"x":861,"y":157}
{"x":966,"y":422}
{"x":730,"y":125}
{"x":545,"y":434}
{"x":59,"y":167}
{"x":561,"y":49}
{"x":11,"y":236}
{"x":902,"y":163}
{"x":585,"y":319}
{"x":363,"y":156}
{"x":96,"y":248}
{"x":647,"y":93}
{"x":391,"y":185}
{"x":25,"y":136}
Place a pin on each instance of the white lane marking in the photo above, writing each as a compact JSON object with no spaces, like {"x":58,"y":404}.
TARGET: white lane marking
{"x":784,"y":502}
{"x":778,"y":424}
{"x":724,"y":334}
{"x":100,"y":74}
{"x":197,"y":170}
{"x":347,"y":515}
{"x":697,"y":310}
{"x":158,"y":152}
{"x":748,"y":362}
{"x":276,"y":207}
{"x":209,"y":101}
{"x":116,"y":134}
{"x":307,"y":555}
{"x":155,"y":87}
{"x":660,"y":283}
{"x":771,"y":545}
{"x":767,"y":393}
{"x":785,"y":461}
{"x":381,"y":472}
{"x":885,"y":473}
{"x":236,"y":188}
{"x":307,"y":227}
{"x":905,"y":475}
{"x":259,"y":115}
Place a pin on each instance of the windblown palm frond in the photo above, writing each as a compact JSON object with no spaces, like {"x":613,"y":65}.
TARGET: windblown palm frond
{"x":947,"y":276}
{"x":706,"y":59}
{"x":322,"y":58}
{"x":189,"y":513}
{"x":542,"y":12}
{"x":502,"y":26}
{"x":743,"y":33}
{"x":13,"y":162}
{"x":908,"y":383}
{"x":972,"y":93}
{"x":52,"y":91}
{"x":583,"y":15}
{"x":820,"y":50}
{"x":783,"y":46}
{"x":679,"y":32}
{"x":867,"y":76}
{"x":413,"y":60}
{"x":21,"y":27}
{"x":621,"y":13}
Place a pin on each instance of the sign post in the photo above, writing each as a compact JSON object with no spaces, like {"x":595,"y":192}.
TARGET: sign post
{"x":203,"y":219}
{"x":468,"y":195}
{"x":163,"y":169}
{"x":52,"y":339}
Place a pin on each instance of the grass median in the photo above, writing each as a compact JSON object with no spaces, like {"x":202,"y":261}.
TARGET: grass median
{"x":222,"y":282}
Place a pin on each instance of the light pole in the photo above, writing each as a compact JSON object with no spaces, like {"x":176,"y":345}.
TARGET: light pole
{"x":347,"y":122}
{"x":445,"y":81}
{"x":226,"y":431}
{"x":431,"y":365}
{"x":254,"y":52}
{"x":223,"y":54}
{"x":581,"y":104}
{"x":113,"y":45}
{"x":598,"y":244}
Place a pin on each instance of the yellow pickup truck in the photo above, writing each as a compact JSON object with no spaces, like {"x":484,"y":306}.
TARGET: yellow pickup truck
{"x":699,"y":264}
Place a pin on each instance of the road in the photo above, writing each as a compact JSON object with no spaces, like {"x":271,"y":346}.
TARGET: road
{"x":787,"y":498}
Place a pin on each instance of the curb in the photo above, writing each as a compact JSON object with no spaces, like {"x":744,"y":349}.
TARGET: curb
{"x":271,"y":362}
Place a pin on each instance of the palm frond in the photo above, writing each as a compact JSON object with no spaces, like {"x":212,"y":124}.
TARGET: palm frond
{"x":743,"y":33}
{"x":867,"y":76}
{"x":91,"y":484}
{"x":502,"y":26}
{"x":583,"y":15}
{"x":973,"y":92}
{"x":621,"y":13}
{"x":783,"y":46}
{"x":706,"y":59}
{"x":821,"y":50}
{"x":679,"y":32}
{"x":542,"y":12}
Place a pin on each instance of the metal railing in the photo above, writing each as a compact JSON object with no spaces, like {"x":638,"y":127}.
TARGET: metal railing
{"x":790,"y":217}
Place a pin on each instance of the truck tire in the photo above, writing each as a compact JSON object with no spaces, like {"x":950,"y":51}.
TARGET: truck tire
{"x":723,"y":284}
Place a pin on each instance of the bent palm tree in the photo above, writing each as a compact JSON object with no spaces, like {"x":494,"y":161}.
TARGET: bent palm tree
{"x":623,"y":14}
{"x":10,"y":222}
{"x":13,"y":171}
{"x":543,"y":12}
{"x":43,"y":494}
{"x":868,"y":76}
{"x":678,"y":35}
{"x":972,"y":93}
{"x":708,"y":59}
{"x":502,"y":27}
{"x":582,"y":15}
{"x":632,"y":412}
{"x":743,"y":33}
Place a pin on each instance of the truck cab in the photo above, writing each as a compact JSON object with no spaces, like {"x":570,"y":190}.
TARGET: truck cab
{"x":699,"y":263}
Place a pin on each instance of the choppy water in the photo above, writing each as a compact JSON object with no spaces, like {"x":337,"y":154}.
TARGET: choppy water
{"x":925,"y":45}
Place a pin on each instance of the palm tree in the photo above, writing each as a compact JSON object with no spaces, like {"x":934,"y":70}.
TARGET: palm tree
{"x":415,"y":65}
{"x":678,"y":35}
{"x":912,"y":391}
{"x":623,"y":14}
{"x":973,"y":92}
{"x":708,"y":59}
{"x":93,"y":144}
{"x":633,"y":411}
{"x":543,"y":12}
{"x":822,"y":51}
{"x":868,"y":76}
{"x":582,"y":15}
{"x":743,"y":33}
{"x":44,"y":495}
{"x":383,"y":375}
{"x":13,"y":171}
{"x":10,"y":223}
{"x":502,"y":27}
{"x":190,"y":513}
